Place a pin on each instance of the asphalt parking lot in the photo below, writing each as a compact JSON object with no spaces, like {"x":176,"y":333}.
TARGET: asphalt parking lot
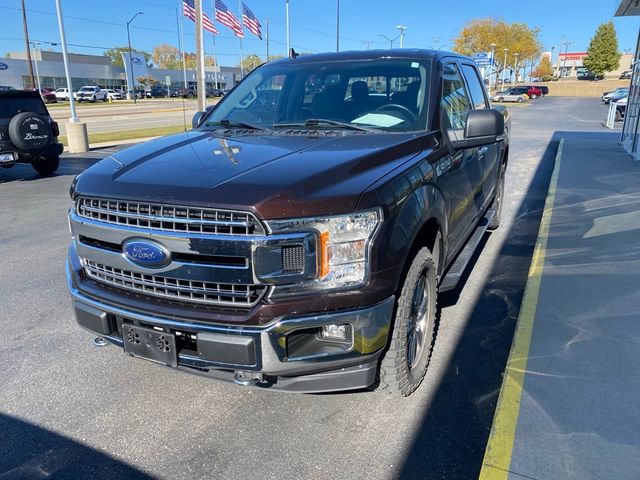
{"x":69,"y":409}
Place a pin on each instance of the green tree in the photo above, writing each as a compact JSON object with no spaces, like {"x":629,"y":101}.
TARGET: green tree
{"x":190,"y":61}
{"x":251,"y":62}
{"x":116,"y":55}
{"x":478,"y":35}
{"x":544,"y":70}
{"x":603,"y":50}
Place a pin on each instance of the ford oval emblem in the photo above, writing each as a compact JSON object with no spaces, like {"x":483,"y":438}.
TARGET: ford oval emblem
{"x":146,"y":253}
{"x":136,"y":60}
{"x":3,"y":66}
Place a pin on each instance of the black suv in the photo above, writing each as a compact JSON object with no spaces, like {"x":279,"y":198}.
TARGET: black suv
{"x":28,"y":134}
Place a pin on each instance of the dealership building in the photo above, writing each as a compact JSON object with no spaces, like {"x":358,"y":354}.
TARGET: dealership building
{"x":97,"y":70}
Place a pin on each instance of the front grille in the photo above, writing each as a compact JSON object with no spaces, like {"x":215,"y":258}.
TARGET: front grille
{"x":210,"y":293}
{"x":170,"y":218}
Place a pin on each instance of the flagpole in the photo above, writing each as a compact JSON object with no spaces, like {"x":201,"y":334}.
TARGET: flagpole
{"x":200,"y":57}
{"x":181,"y":46}
{"x":267,"y":39}
{"x":241,"y":29}
{"x":215,"y":56}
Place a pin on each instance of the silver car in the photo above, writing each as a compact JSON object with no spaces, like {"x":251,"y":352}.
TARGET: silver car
{"x":509,"y":96}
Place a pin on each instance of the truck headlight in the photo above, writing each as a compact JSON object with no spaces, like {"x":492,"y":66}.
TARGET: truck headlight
{"x":344,"y":245}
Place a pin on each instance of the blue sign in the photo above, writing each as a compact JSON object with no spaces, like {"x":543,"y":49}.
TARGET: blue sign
{"x":146,"y":253}
{"x":136,"y":60}
{"x":3,"y":66}
{"x":482,"y":59}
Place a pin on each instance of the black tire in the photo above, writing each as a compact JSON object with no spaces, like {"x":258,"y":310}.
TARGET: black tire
{"x":534,"y":96}
{"x":500,"y":99}
{"x":46,"y":165}
{"x":498,"y":200}
{"x":402,"y":369}
{"x":29,"y":131}
{"x":618,"y":116}
{"x":93,"y":99}
{"x":105,"y":98}
{"x":520,"y":100}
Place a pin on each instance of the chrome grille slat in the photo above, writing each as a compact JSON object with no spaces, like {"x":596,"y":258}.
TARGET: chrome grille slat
{"x":209,"y":293}
{"x":173,"y":218}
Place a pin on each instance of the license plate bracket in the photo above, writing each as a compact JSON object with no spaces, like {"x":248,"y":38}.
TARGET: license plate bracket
{"x":150,"y":344}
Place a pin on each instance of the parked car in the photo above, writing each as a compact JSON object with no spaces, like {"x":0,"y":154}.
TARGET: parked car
{"x":615,"y":96}
{"x":91,"y":93}
{"x":537,"y":90}
{"x":509,"y":96}
{"x":62,"y":93}
{"x":529,"y":91}
{"x":28,"y":134}
{"x":6,"y":87}
{"x":47,"y":95}
{"x":158,"y":92}
{"x":589,"y":76}
{"x":621,"y":109}
{"x":214,"y":92}
{"x":114,"y":94}
{"x":308,"y":260}
{"x":625,"y":75}
{"x":189,"y":92}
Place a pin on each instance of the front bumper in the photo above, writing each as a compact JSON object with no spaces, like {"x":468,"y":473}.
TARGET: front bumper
{"x":263,"y":356}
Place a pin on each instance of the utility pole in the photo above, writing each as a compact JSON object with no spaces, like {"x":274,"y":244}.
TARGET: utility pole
{"x":493,"y":63}
{"x":515,"y":68}
{"x":504,"y":65}
{"x":200,"y":57}
{"x":27,"y":43}
{"x":337,"y":25}
{"x":288,"y":30}
{"x":368,"y":44}
{"x":564,"y":59}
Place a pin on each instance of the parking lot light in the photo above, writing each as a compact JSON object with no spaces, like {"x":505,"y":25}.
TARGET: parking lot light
{"x":133,"y":82}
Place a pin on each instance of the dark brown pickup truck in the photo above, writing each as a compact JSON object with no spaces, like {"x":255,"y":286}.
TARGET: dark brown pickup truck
{"x":298,"y":236}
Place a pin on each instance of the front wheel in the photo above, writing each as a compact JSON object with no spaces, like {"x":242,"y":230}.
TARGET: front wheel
{"x":534,"y":96}
{"x":404,"y":365}
{"x":498,"y":200}
{"x":520,"y":100}
{"x":500,"y":99}
{"x":46,"y":165}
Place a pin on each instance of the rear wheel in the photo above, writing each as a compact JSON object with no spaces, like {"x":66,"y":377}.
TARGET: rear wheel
{"x":46,"y":165}
{"x":520,"y":100}
{"x":405,"y":363}
{"x":534,"y":96}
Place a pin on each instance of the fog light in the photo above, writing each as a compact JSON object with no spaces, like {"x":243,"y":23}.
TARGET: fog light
{"x":339,"y":333}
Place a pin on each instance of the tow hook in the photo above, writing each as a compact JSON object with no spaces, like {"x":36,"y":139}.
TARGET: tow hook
{"x":99,"y":342}
{"x":247,"y":378}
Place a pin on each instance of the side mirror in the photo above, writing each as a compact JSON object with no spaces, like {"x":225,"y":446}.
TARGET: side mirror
{"x":195,"y":121}
{"x":483,"y":127}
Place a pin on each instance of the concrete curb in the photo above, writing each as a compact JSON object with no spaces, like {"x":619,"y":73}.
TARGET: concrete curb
{"x":115,"y":143}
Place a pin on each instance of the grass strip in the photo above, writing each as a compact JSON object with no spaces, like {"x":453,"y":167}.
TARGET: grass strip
{"x":129,"y":134}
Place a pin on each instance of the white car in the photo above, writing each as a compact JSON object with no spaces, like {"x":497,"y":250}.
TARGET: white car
{"x":90,"y":93}
{"x":509,"y":96}
{"x":63,"y":94}
{"x":114,"y":94}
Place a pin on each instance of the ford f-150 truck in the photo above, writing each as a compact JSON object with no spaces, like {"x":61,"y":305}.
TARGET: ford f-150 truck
{"x":297,"y":237}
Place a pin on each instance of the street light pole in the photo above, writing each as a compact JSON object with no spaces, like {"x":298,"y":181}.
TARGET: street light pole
{"x":493,"y":53}
{"x":402,"y":28}
{"x":32,"y":44}
{"x":504,"y":65}
{"x":131,"y":59}
{"x":288,"y":30}
{"x":515,"y":68}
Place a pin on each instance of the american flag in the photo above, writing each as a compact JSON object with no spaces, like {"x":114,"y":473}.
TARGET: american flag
{"x":189,"y":10}
{"x":250,"y":21}
{"x":225,"y":17}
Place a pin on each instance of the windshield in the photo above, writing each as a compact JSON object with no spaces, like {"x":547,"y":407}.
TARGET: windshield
{"x":380,"y":95}
{"x":87,"y":89}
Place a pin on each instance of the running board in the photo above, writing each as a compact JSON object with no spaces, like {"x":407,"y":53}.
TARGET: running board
{"x":457,"y":268}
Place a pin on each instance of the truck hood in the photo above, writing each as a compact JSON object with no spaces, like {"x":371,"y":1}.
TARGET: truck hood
{"x":277,"y":176}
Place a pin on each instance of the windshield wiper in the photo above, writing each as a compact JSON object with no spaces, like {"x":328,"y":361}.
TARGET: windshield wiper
{"x":227,"y":123}
{"x":316,"y":122}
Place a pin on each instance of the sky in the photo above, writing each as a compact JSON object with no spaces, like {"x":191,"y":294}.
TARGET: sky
{"x":93,"y":26}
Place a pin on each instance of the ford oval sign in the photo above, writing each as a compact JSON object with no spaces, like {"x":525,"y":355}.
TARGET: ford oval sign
{"x":3,"y":66}
{"x":146,"y":253}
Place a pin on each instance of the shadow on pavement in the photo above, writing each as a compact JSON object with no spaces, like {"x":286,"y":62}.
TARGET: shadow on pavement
{"x":32,"y":452}
{"x":450,"y":442}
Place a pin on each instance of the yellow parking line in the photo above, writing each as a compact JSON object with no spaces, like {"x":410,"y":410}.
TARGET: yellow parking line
{"x":497,"y":456}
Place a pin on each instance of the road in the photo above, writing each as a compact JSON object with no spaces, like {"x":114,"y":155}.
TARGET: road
{"x":116,"y":117}
{"x":69,"y":408}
